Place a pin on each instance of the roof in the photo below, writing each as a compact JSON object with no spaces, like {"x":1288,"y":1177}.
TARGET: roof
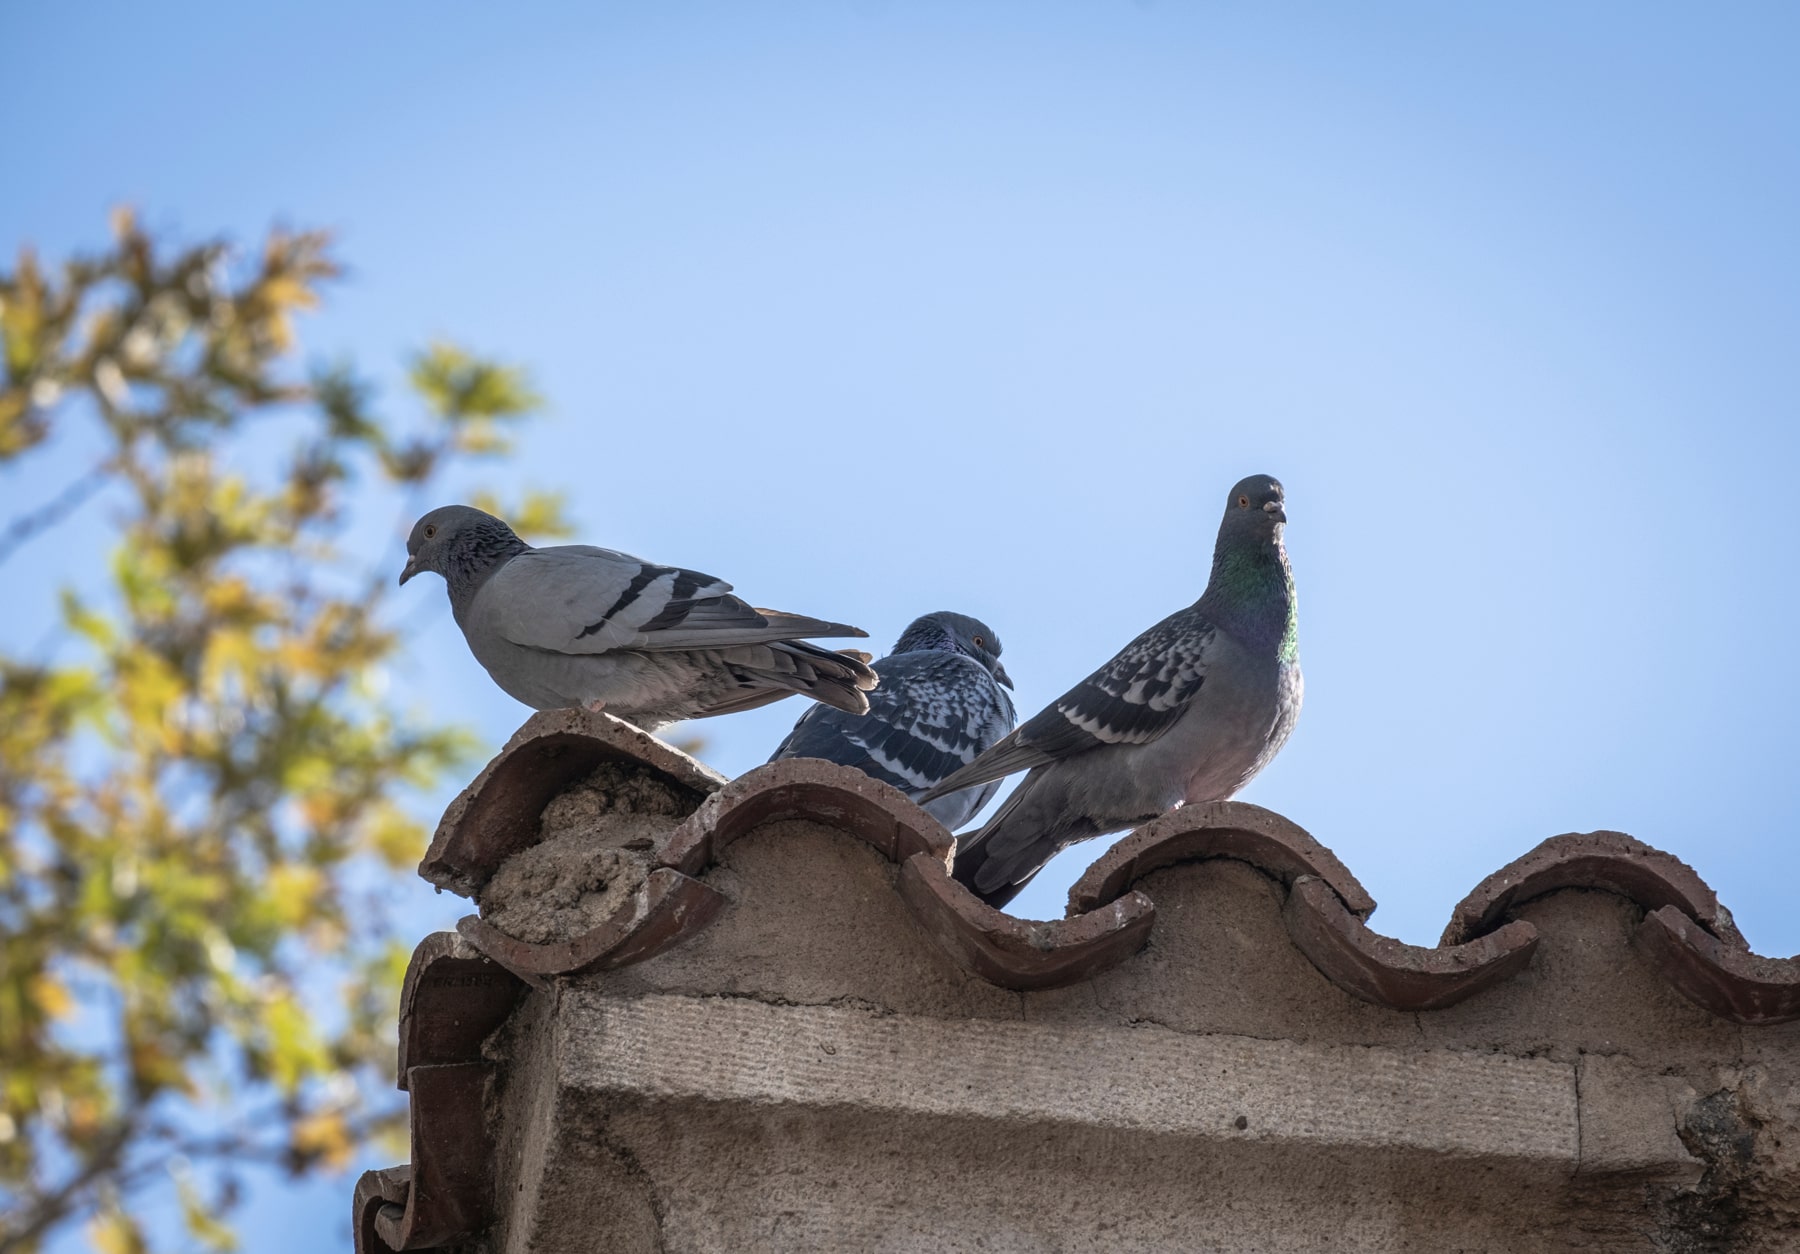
{"x":1497,"y":959}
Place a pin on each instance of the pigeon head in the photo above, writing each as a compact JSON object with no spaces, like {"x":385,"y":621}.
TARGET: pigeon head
{"x":1256,"y":507}
{"x":462,"y":544}
{"x":955,"y":633}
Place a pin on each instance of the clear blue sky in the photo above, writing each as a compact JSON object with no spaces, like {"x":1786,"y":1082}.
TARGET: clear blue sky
{"x":877,"y":309}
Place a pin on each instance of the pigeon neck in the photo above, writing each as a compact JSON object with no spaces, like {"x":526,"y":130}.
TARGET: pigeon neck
{"x":1251,"y":596}
{"x":475,"y":559}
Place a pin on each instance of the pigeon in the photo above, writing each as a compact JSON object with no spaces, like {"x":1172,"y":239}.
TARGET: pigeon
{"x":941,"y":701}
{"x":574,"y":625}
{"x":1189,"y":711}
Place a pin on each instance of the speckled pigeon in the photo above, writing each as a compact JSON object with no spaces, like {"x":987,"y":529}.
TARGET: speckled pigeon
{"x":1189,"y":711}
{"x":940,"y":703}
{"x":574,"y":625}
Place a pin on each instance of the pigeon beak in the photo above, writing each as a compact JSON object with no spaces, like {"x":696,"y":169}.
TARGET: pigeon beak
{"x":1275,"y":508}
{"x":1001,"y":675}
{"x":412,"y":568}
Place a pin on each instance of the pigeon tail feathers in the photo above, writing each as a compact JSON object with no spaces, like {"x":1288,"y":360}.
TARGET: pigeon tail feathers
{"x":773,"y":671}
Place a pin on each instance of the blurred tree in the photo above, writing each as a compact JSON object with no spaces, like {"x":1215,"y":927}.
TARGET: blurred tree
{"x":198,"y":787}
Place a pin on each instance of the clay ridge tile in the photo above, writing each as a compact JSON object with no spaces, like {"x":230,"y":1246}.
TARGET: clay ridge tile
{"x":1726,"y":979}
{"x":383,"y":1189}
{"x":1001,"y":949}
{"x":1019,"y":953}
{"x":665,"y":909}
{"x":1605,"y":860}
{"x":1389,"y":972}
{"x":451,"y":999}
{"x":497,"y":814}
{"x":806,"y":788}
{"x":1270,"y":842}
{"x":1108,"y":920}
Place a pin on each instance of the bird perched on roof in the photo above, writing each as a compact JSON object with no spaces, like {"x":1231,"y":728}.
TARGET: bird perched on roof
{"x":574,"y":625}
{"x":1189,"y":711}
{"x":940,"y":703}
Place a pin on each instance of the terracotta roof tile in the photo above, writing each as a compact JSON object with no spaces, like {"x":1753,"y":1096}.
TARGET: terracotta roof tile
{"x":497,"y":816}
{"x":1388,"y":972}
{"x":1726,"y":979}
{"x":807,"y":788}
{"x":1607,"y":860}
{"x":665,"y":909}
{"x":384,"y":1189}
{"x":452,"y":997}
{"x":1018,"y":953}
{"x":1218,"y":829}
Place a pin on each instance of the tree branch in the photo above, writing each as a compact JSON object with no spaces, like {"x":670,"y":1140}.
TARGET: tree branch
{"x":45,"y":516}
{"x":60,"y":1203}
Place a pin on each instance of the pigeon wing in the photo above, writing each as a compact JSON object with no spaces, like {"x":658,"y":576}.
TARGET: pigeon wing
{"x":577,"y":598}
{"x":932,"y":714}
{"x":1132,"y":700}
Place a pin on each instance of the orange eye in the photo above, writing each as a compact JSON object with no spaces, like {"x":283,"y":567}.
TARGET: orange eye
{"x":980,"y":643}
{"x":1243,"y":502}
{"x":430,"y":531}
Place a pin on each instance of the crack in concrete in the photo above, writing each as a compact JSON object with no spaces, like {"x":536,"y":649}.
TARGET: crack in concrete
{"x":639,"y":1175}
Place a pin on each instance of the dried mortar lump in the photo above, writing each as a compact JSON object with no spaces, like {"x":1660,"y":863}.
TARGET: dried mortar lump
{"x":595,"y":846}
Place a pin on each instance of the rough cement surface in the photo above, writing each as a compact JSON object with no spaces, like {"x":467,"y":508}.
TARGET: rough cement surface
{"x":814,"y":917}
{"x":758,"y":1178}
{"x":1231,"y":1088}
{"x":1220,"y":960}
{"x":597,"y":841}
{"x":1747,"y":1135}
{"x":1588,"y":991}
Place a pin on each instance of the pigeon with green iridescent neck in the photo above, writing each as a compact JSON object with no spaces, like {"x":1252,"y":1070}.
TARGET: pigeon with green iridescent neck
{"x":574,"y":625}
{"x":1189,"y":711}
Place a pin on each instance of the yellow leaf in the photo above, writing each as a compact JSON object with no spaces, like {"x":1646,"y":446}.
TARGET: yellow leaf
{"x":324,"y":1136}
{"x":114,"y":1233}
{"x":50,"y":996}
{"x":292,"y":889}
{"x":397,"y":838}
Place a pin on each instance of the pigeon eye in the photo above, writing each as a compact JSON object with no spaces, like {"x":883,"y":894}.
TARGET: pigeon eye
{"x":1243,"y":502}
{"x":430,"y":531}
{"x":979,"y":642}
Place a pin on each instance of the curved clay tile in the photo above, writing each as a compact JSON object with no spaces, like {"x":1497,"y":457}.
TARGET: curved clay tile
{"x":806,"y":788}
{"x":497,"y":814}
{"x":385,"y":1188}
{"x":667,"y":908}
{"x":1017,"y":953}
{"x":1607,"y":860}
{"x":450,"y":1191}
{"x":1218,"y":829}
{"x":1389,"y":972}
{"x":1006,"y":951}
{"x":1726,"y":979}
{"x":452,"y":997}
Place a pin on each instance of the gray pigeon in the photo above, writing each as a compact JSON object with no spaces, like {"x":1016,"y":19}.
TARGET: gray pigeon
{"x":940,"y":703}
{"x":574,"y":625}
{"x":1189,"y":711}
